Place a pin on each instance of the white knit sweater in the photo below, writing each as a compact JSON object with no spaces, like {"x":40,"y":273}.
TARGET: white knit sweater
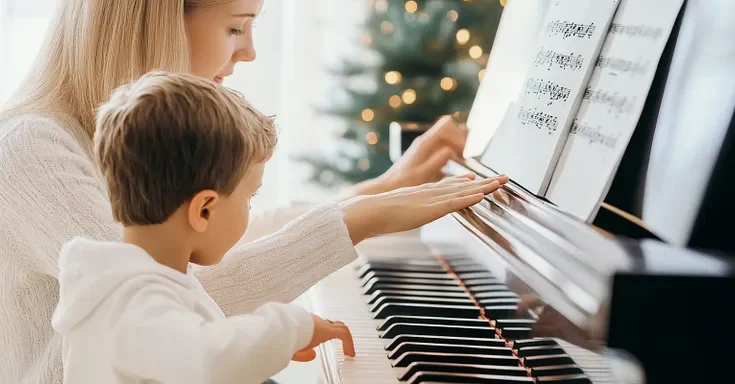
{"x":50,"y":192}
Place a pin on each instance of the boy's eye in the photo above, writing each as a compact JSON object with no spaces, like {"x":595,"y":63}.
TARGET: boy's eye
{"x":237,"y":32}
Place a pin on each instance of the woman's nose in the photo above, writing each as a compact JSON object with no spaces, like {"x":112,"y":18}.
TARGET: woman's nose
{"x":245,"y":54}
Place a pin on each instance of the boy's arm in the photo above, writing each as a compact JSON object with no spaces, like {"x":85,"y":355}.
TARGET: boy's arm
{"x":283,"y":265}
{"x":159,"y":339}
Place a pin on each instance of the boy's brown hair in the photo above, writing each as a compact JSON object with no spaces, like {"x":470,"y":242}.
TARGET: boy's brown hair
{"x":165,"y":137}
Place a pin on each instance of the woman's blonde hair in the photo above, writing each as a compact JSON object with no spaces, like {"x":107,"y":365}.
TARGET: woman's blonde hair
{"x":94,"y":46}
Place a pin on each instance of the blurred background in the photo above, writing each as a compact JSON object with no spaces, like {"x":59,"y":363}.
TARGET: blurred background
{"x":336,"y":73}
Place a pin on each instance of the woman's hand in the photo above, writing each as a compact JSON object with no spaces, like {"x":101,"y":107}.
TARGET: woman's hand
{"x":423,"y":161}
{"x":325,"y":330}
{"x":411,"y":207}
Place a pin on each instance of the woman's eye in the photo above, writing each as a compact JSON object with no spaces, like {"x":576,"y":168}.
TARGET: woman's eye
{"x":237,"y":32}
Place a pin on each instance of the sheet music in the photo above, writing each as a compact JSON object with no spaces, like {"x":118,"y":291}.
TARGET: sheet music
{"x":612,"y":104}
{"x":568,"y":45}
{"x":511,"y":53}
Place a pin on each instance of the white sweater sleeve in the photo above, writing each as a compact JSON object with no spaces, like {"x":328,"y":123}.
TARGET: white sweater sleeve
{"x":160,"y":339}
{"x":58,"y":195}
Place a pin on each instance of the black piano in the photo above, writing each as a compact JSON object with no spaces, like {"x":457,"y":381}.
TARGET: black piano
{"x":514,"y":290}
{"x":528,"y":294}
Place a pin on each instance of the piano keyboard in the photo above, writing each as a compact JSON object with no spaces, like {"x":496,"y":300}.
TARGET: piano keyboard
{"x":440,"y":320}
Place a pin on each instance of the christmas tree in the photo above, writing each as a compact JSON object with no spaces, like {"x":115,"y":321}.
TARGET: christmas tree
{"x":415,"y":61}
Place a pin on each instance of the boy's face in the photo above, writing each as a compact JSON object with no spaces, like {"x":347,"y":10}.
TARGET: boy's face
{"x":229,"y":219}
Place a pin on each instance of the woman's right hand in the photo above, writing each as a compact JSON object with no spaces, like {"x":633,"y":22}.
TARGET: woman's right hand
{"x":409,"y":208}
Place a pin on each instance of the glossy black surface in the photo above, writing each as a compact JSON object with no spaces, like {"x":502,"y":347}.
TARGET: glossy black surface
{"x":602,"y":292}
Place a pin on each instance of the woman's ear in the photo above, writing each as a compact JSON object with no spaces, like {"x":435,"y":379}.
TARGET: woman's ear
{"x":201,"y":210}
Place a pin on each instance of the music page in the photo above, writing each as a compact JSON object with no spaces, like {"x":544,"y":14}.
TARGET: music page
{"x":511,"y":53}
{"x":568,"y":45}
{"x":612,"y":104}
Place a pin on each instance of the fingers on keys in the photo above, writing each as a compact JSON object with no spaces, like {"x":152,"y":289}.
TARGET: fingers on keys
{"x":342,"y":332}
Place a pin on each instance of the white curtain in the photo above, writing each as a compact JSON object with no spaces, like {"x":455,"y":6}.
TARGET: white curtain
{"x":283,"y":81}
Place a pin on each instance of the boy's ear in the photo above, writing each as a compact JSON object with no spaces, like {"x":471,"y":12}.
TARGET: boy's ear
{"x":201,"y":209}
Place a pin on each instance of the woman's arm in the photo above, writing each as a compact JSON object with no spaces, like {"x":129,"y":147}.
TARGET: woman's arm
{"x":51,"y":192}
{"x":283,"y":265}
{"x":422,"y":162}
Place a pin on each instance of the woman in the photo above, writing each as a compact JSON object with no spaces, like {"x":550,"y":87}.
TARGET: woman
{"x":50,"y":191}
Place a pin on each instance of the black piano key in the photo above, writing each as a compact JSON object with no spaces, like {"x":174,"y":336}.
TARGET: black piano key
{"x":501,"y":312}
{"x":472,"y":268}
{"x":379,"y":293}
{"x":437,"y":269}
{"x":458,"y":358}
{"x":537,"y":342}
{"x":404,"y":348}
{"x":407,"y":275}
{"x":437,"y":330}
{"x":395,"y":280}
{"x":417,"y":367}
{"x":464,"y":262}
{"x":479,"y":322}
{"x":481,"y":282}
{"x":454,"y":340}
{"x":465,"y":378}
{"x":475,"y":275}
{"x":410,"y":309}
{"x":502,"y":323}
{"x":547,"y":360}
{"x":541,"y":350}
{"x":556,"y":370}
{"x":369,"y":290}
{"x":498,"y":294}
{"x":497,"y":287}
{"x":565,"y":379}
{"x":403,"y":263}
{"x":421,"y":300}
{"x":499,"y":301}
{"x":512,"y":333}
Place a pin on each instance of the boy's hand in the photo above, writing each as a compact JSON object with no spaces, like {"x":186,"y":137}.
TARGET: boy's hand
{"x":325,"y":330}
{"x":409,"y":208}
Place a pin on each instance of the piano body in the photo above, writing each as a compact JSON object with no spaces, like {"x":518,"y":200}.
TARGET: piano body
{"x":525,"y":294}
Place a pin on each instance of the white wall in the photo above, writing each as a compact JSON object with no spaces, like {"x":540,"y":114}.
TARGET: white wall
{"x":282,"y":81}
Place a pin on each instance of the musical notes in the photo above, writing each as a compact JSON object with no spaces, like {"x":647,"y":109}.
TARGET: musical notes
{"x":632,"y":67}
{"x":569,"y":29}
{"x":594,"y":135}
{"x":616,"y":102}
{"x":539,"y":119}
{"x":612,"y":104}
{"x":548,"y":89}
{"x":569,"y":43}
{"x":564,"y":61}
{"x":636,"y":31}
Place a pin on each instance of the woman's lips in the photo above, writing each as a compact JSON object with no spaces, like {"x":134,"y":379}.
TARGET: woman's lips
{"x":219,"y":79}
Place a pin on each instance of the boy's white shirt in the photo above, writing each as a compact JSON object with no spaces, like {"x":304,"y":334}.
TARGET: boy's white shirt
{"x":125,"y":318}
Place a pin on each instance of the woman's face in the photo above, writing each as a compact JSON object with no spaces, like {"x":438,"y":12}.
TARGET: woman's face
{"x":220,"y":36}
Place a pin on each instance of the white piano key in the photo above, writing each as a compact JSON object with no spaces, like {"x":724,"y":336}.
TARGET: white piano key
{"x":339,"y":297}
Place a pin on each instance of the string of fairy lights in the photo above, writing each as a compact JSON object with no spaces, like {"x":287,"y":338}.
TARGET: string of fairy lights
{"x":410,"y":96}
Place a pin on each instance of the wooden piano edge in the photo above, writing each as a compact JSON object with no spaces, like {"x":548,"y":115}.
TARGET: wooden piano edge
{"x":610,"y":221}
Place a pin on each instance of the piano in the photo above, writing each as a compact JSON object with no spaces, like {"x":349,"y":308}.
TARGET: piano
{"x":524,"y":293}
{"x":514,"y":290}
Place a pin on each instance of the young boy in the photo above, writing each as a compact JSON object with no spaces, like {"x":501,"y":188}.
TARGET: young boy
{"x":182,"y":157}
